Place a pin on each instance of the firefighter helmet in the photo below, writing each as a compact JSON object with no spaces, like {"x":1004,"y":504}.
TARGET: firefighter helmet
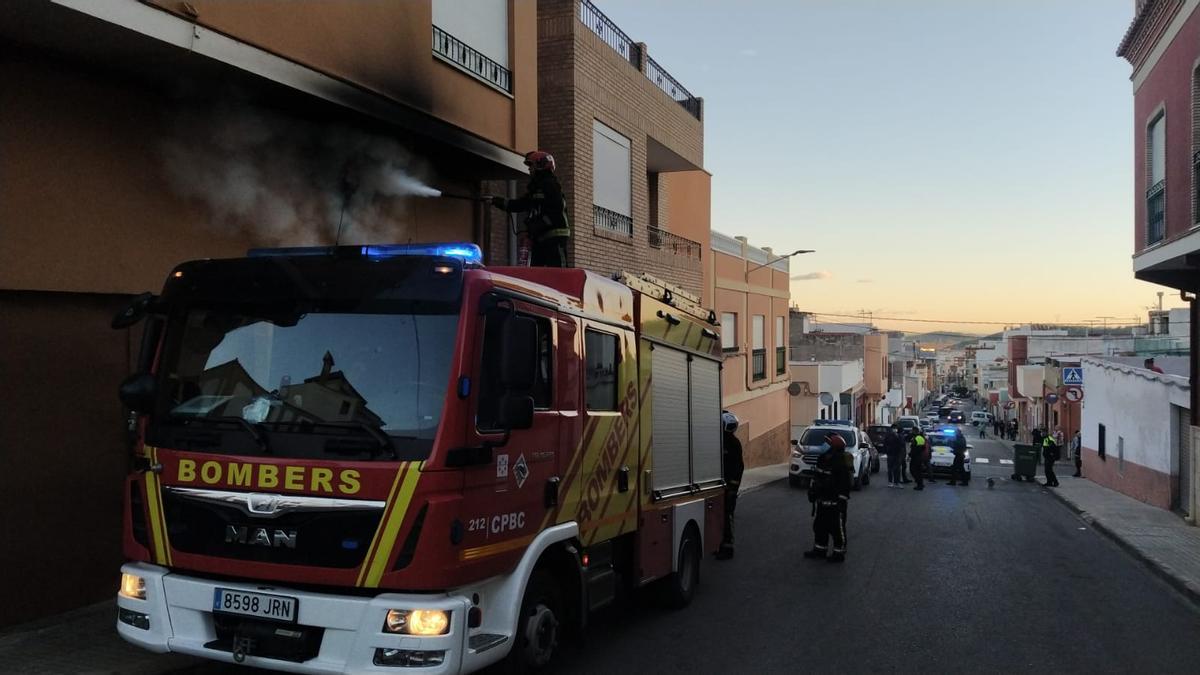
{"x":836,"y":442}
{"x":540,"y":161}
{"x":729,"y":421}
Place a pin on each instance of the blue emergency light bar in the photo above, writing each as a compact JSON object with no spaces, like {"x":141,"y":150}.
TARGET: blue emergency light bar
{"x":833,"y":423}
{"x":466,"y":252}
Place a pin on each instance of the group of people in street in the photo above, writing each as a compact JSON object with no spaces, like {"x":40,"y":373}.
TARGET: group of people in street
{"x":1004,"y":430}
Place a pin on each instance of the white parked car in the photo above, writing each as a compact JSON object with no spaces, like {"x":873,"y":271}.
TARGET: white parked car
{"x":941,"y":455}
{"x":980,"y":417}
{"x":809,"y":446}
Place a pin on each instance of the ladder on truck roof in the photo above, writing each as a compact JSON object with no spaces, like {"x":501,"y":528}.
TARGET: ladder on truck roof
{"x":667,"y":293}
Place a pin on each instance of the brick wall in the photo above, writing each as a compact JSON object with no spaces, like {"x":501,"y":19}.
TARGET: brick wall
{"x":581,"y":79}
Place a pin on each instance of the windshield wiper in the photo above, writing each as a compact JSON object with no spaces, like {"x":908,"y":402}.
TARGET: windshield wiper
{"x":383,"y":440}
{"x":256,"y":431}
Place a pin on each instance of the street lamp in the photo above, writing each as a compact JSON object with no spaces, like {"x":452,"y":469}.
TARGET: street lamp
{"x":782,"y":257}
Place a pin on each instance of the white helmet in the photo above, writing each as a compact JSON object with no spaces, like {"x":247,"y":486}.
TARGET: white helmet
{"x":729,"y":421}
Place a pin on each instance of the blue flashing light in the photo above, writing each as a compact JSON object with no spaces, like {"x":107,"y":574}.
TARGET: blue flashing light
{"x":469,"y":253}
{"x":833,"y":423}
{"x":949,"y":431}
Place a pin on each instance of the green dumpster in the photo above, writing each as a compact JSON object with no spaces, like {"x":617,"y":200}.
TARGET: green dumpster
{"x":1025,"y":461}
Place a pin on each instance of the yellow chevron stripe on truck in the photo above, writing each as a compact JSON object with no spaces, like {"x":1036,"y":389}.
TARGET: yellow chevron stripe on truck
{"x":160,"y":546}
{"x":399,"y":499}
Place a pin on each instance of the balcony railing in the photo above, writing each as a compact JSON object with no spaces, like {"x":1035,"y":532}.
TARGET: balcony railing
{"x":611,"y":221}
{"x":780,"y":360}
{"x":660,"y":77}
{"x":673,"y":243}
{"x":758,"y":361}
{"x":462,"y":55}
{"x":624,"y":45}
{"x":1196,"y":186}
{"x":1156,"y":211}
{"x":614,"y":37}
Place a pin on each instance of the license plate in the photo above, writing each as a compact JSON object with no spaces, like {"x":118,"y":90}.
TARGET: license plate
{"x":261,"y":605}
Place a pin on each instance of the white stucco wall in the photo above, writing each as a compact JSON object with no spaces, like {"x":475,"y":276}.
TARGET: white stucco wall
{"x":1135,"y":404}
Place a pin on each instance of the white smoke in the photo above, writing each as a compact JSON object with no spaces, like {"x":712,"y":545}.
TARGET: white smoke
{"x":283,"y":181}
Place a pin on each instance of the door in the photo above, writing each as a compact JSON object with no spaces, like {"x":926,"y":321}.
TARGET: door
{"x":1183,"y":422}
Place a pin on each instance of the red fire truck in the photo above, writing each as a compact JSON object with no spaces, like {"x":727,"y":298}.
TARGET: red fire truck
{"x":374,"y":458}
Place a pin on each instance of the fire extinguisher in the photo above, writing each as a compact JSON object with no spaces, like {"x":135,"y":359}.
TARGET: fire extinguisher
{"x":524,"y":246}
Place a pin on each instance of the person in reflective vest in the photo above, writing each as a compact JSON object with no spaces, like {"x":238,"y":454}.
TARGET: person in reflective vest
{"x":734,"y":466}
{"x":916,"y":458}
{"x":830,"y":495}
{"x":1050,"y":456}
{"x":545,"y":211}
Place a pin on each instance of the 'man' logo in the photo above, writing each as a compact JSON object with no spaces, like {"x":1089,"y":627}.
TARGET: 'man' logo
{"x":260,"y":536}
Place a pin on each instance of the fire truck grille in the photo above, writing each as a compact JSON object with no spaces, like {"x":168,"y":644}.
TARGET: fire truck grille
{"x":313,"y":538}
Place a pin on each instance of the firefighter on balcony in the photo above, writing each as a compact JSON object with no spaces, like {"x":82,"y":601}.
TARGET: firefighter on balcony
{"x":545,"y":211}
{"x":830,"y":495}
{"x":731,"y":452}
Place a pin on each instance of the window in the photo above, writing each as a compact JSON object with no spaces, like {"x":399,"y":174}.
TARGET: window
{"x":780,"y":347}
{"x":1156,"y":193}
{"x":1100,"y":443}
{"x":489,"y":380}
{"x":729,"y":341}
{"x":612,"y":182}
{"x":759,"y":353}
{"x":600,"y":350}
{"x":472,"y":35}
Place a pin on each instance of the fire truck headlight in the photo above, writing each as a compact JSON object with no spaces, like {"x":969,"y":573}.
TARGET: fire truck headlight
{"x":133,"y":586}
{"x":424,"y":622}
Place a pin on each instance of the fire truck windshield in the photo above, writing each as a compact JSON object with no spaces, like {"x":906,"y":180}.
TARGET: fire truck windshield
{"x":307,"y":380}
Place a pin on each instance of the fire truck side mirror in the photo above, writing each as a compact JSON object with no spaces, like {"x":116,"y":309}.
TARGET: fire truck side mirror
{"x":134,"y":312}
{"x":138,"y":392}
{"x":519,"y":345}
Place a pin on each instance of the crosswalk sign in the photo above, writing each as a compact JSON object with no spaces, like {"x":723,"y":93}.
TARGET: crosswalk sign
{"x":1073,"y":376}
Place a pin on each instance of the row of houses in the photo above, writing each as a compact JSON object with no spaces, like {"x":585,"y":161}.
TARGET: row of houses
{"x":137,"y":134}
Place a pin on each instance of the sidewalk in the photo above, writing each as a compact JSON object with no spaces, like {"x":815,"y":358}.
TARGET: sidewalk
{"x":1160,"y":539}
{"x":756,"y":478}
{"x":81,"y":641}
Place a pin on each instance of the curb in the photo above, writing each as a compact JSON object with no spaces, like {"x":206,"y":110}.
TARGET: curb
{"x":1190,"y":590}
{"x":756,"y":488}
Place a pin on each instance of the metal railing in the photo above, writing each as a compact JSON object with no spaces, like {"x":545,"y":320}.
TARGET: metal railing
{"x":1196,"y":187}
{"x":780,"y":360}
{"x":1156,"y":212}
{"x":606,"y":30}
{"x":663,"y":80}
{"x":611,"y":221}
{"x":462,"y":55}
{"x":668,"y":241}
{"x":758,"y":361}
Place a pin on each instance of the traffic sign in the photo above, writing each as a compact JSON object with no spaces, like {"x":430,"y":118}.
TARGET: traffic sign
{"x":1073,"y":376}
{"x":1051,"y":398}
{"x":1073,"y":394}
{"x":1009,"y":405}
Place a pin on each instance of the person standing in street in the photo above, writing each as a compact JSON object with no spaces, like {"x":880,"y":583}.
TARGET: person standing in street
{"x":731,"y":452}
{"x":916,"y":459}
{"x":1077,"y":453}
{"x":958,"y":473}
{"x":1059,"y":438}
{"x":1049,"y":456}
{"x":1036,"y":437}
{"x":893,"y":448}
{"x":830,"y":495}
{"x":1012,"y":429}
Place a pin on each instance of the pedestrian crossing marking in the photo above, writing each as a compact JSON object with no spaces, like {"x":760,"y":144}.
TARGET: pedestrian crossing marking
{"x":983,"y":460}
{"x":1006,"y":461}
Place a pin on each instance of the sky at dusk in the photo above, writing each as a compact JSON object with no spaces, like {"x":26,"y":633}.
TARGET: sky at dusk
{"x":947,"y":159}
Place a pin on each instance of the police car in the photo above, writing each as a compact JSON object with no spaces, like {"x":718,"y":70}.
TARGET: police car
{"x":807,"y":448}
{"x":941,"y":452}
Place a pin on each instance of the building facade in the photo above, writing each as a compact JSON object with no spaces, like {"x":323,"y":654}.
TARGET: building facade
{"x":749,"y":287}
{"x":136,"y":135}
{"x":629,"y":143}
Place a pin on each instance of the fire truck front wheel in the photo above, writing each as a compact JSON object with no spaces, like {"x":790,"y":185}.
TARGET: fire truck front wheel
{"x":681,"y":585}
{"x":538,"y":626}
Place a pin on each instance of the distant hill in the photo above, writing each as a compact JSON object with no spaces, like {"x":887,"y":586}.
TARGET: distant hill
{"x":941,"y":337}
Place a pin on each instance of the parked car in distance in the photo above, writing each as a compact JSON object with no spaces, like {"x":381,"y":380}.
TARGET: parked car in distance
{"x":980,"y":417}
{"x":941,"y":455}
{"x":957,"y":417}
{"x":807,"y":448}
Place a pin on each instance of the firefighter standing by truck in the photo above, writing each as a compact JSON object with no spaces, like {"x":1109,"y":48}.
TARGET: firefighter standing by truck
{"x":546,"y":221}
{"x":731,"y":452}
{"x":830,"y":495}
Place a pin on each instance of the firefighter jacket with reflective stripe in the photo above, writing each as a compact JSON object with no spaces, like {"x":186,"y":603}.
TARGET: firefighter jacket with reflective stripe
{"x":544,"y":208}
{"x":832,"y":479}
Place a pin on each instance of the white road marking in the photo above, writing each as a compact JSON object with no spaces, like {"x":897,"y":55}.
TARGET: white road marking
{"x":1006,"y":461}
{"x":983,"y":460}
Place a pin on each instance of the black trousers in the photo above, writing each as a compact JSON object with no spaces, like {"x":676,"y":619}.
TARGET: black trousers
{"x":549,"y":253}
{"x":730,"y":507}
{"x":1078,"y":465}
{"x":916,"y":466}
{"x":958,"y":471}
{"x":1051,"y":479}
{"x":830,"y":521}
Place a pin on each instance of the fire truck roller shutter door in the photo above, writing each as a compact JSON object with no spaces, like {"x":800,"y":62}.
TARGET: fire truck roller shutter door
{"x":705,"y":413}
{"x":669,"y":461}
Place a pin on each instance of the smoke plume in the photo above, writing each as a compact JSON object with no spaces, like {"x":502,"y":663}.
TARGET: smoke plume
{"x":287,"y":181}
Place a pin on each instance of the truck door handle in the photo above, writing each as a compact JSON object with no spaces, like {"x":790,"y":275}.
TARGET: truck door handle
{"x":550,"y":492}
{"x":623,"y":480}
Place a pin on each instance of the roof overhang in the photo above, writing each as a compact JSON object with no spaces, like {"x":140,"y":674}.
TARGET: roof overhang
{"x":1175,"y":263}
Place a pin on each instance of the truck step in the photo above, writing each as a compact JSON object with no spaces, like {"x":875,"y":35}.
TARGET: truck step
{"x":481,"y":642}
{"x":601,"y":587}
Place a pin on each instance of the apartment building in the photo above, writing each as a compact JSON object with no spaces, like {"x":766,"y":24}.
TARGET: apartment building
{"x":1162,"y":44}
{"x":629,"y":142}
{"x":136,"y":134}
{"x":749,"y":287}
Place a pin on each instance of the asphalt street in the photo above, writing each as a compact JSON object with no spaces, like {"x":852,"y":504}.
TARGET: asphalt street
{"x":952,"y":578}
